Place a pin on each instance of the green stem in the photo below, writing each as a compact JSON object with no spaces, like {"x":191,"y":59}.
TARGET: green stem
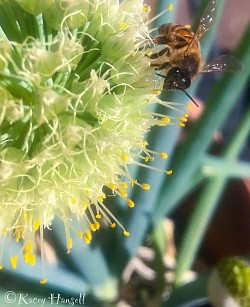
{"x":239,"y":138}
{"x":197,"y":226}
{"x":214,"y":166}
{"x":219,"y":169}
{"x":39,"y":19}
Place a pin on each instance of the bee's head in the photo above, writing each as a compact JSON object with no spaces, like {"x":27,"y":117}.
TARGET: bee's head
{"x":177,"y":78}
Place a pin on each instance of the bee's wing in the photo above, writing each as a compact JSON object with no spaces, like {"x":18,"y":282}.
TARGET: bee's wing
{"x":207,"y":19}
{"x":224,"y":63}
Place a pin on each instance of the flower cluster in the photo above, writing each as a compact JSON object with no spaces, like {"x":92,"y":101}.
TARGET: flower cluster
{"x":229,"y":283}
{"x":75,"y":90}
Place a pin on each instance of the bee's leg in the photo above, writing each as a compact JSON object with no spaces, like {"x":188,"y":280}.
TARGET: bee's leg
{"x":158,"y":54}
{"x":161,"y":40}
{"x":161,"y":66}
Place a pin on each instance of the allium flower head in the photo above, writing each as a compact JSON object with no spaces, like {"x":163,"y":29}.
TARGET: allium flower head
{"x":75,"y":90}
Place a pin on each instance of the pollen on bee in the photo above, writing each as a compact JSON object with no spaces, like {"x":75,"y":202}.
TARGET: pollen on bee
{"x":187,"y":26}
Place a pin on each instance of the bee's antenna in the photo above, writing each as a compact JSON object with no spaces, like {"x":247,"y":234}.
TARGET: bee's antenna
{"x":189,"y":97}
{"x":182,"y":91}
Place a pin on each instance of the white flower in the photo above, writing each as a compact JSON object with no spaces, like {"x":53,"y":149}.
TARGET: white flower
{"x":74,"y":112}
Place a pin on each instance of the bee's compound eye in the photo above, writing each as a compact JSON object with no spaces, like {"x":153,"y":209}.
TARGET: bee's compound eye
{"x":177,"y":79}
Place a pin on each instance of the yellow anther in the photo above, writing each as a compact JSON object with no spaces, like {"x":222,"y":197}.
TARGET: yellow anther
{"x":1,"y":266}
{"x":86,"y":239}
{"x":28,"y":248}
{"x":80,"y":234}
{"x":146,"y":158}
{"x":32,"y":259}
{"x":74,"y":201}
{"x":163,"y":155}
{"x":156,"y":92}
{"x":169,"y":172}
{"x":69,"y":244}
{"x":113,"y":225}
{"x":26,"y":258}
{"x":186,"y":115}
{"x":43,"y":281}
{"x":130,"y":203}
{"x":13,"y":261}
{"x":123,"y":25}
{"x":88,"y":235}
{"x":133,"y":182}
{"x":166,"y":120}
{"x":18,"y":234}
{"x":151,"y":159}
{"x":144,"y":143}
{"x":98,"y":216}
{"x":125,"y":157}
{"x":97,"y":225}
{"x":181,"y":125}
{"x":100,"y":198}
{"x":85,"y":204}
{"x":26,"y":216}
{"x":145,"y":186}
{"x":112,"y":186}
{"x":190,"y":105}
{"x":36,"y":225}
{"x":124,"y":185}
{"x":182,"y":118}
{"x":123,"y":193}
{"x":92,"y":227}
{"x":126,"y":233}
{"x":146,"y":8}
{"x":170,"y":7}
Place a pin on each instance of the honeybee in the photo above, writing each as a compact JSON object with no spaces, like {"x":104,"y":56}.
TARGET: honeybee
{"x":181,"y":58}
